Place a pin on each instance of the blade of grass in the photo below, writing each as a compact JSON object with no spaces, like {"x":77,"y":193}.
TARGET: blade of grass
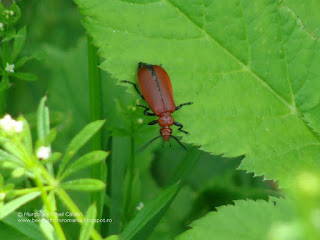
{"x":120,"y":152}
{"x":185,"y":167}
{"x":98,"y":171}
{"x":146,"y":220}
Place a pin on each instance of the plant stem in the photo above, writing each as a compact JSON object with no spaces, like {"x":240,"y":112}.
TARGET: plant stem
{"x":98,"y":171}
{"x":20,"y":192}
{"x":49,"y":208}
{"x":5,"y":78}
{"x":77,"y":213}
{"x":120,"y":152}
{"x":131,"y":171}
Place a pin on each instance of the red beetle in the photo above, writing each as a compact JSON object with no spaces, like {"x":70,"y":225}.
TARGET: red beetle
{"x":156,"y":89}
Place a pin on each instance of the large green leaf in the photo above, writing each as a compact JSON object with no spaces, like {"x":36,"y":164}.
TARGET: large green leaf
{"x":248,"y":220}
{"x":250,"y":68}
{"x":308,"y":12}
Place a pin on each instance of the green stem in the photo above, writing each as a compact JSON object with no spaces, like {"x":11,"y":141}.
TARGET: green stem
{"x":5,"y":78}
{"x":120,"y":153}
{"x":49,"y":208}
{"x":131,"y":172}
{"x":20,"y":192}
{"x":98,"y":171}
{"x":74,"y":209}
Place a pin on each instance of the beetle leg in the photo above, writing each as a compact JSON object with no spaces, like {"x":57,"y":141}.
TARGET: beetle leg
{"x":153,"y":122}
{"x":135,"y":86}
{"x":188,"y":103}
{"x":145,"y":112}
{"x":180,"y":127}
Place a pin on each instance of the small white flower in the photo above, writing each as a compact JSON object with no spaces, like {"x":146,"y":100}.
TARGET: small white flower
{"x":6,"y":123}
{"x":140,"y":120}
{"x":10,"y":67}
{"x":140,"y":206}
{"x":18,"y":126}
{"x":9,"y":124}
{"x":11,"y":12}
{"x":44,"y":152}
{"x":1,"y":26}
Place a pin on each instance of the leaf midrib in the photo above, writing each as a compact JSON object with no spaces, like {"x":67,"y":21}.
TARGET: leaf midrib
{"x":293,"y":109}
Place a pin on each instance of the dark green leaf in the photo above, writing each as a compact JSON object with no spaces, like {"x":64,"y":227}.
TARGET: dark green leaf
{"x":18,"y":43}
{"x":143,"y":223}
{"x":24,"y":76}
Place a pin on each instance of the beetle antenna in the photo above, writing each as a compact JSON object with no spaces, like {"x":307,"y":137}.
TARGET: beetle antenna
{"x":175,"y":138}
{"x":148,"y":143}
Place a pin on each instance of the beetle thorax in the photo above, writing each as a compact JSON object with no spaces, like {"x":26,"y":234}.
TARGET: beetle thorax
{"x":165,"y":119}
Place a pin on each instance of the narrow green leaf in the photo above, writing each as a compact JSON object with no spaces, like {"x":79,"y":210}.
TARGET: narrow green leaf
{"x":78,"y":141}
{"x":84,"y":184}
{"x":17,"y":13}
{"x":27,"y":137}
{"x":86,"y":228}
{"x":185,"y":167}
{"x":43,"y":122}
{"x":113,"y":237}
{"x":5,"y":156}
{"x":47,"y":229}
{"x":84,"y":162}
{"x":29,"y":229}
{"x":143,"y":223}
{"x":18,"y":43}
{"x":25,"y":76}
{"x":23,"y":60}
{"x":16,"y":203}
{"x":10,"y":147}
{"x":43,"y":128}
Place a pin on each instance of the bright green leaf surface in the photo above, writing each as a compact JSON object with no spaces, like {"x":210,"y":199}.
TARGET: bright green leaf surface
{"x":84,"y":184}
{"x":16,"y":203}
{"x":85,"y":161}
{"x":79,"y":140}
{"x":248,"y":220}
{"x":308,"y":12}
{"x":250,"y":68}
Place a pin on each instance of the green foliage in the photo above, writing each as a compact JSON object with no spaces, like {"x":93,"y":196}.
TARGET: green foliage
{"x":141,"y":226}
{"x":245,"y":221}
{"x":251,"y":69}
{"x":89,"y":225}
{"x":259,"y":84}
{"x":22,"y":159}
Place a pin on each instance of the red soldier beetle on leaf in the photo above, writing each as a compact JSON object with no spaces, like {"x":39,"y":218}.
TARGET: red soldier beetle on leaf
{"x":156,"y":89}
